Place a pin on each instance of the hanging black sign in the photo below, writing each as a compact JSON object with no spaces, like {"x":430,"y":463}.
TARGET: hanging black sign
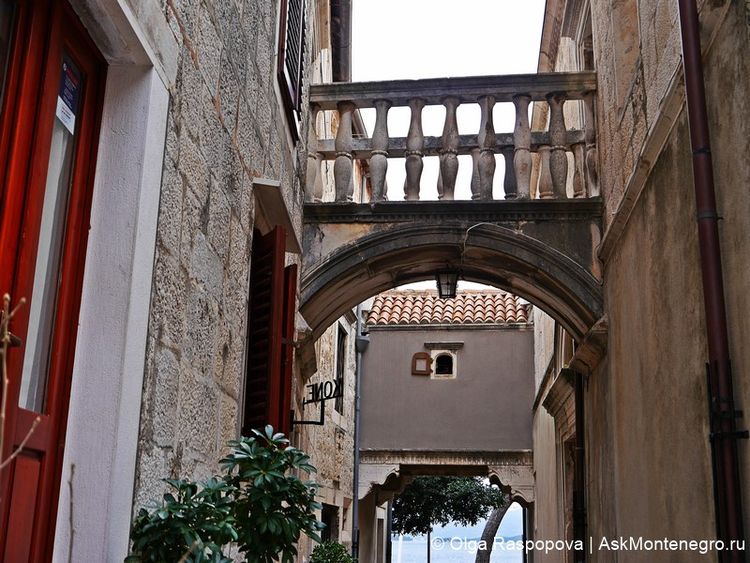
{"x":325,"y":390}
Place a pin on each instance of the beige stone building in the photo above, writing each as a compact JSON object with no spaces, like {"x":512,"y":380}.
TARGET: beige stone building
{"x":648,"y":428}
{"x":171,"y":162}
{"x":192,"y":208}
{"x":434,"y":402}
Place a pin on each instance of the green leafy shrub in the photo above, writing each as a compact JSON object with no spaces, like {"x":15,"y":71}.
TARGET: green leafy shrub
{"x":330,"y":552}
{"x":259,"y":506}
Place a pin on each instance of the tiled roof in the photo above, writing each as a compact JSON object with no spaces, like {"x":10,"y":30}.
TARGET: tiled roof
{"x":422,"y":307}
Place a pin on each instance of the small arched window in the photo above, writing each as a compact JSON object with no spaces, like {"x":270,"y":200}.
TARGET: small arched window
{"x":444,"y":364}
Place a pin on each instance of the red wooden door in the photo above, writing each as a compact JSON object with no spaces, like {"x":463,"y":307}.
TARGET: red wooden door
{"x":51,"y":108}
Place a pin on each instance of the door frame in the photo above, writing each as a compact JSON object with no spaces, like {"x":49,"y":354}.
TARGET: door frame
{"x":37,"y":54}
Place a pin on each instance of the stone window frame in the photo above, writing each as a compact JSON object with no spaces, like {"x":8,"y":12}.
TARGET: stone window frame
{"x":437,"y":353}
{"x":440,"y":349}
{"x":577,"y":22}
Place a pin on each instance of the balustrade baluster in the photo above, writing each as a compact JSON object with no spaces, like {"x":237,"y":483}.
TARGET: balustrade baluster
{"x":579,"y":175}
{"x":592,"y":172}
{"x":475,"y":173}
{"x":449,"y":151}
{"x":522,"y":144}
{"x":379,"y":158}
{"x":313,"y":182}
{"x":486,"y":141}
{"x":414,"y":151}
{"x":509,"y":183}
{"x":343,"y":167}
{"x":546,"y":190}
{"x":558,"y":157}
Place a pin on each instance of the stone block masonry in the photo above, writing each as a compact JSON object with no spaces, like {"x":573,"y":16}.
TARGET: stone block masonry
{"x":225,"y":127}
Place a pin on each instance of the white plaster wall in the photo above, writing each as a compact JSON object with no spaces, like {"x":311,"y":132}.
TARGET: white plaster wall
{"x":95,"y":502}
{"x":103,"y":420}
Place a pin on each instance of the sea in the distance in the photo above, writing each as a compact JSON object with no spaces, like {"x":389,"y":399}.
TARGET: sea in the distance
{"x":462,"y":548}
{"x":415,"y":551}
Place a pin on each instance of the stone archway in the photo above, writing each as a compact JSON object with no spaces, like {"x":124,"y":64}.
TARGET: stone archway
{"x":544,"y":252}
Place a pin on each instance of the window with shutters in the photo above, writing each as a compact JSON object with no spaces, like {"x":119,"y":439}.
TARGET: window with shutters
{"x":268,"y":381}
{"x":291,"y":59}
{"x":340,"y":366}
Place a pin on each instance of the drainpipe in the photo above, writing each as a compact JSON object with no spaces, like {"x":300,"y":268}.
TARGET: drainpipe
{"x":362,"y":342}
{"x":724,"y":433}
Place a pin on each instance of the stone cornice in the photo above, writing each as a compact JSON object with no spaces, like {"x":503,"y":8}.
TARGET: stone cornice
{"x":592,"y":349}
{"x":452,"y":327}
{"x":467,"y":89}
{"x":459,"y":211}
{"x":560,"y":392}
{"x":438,"y":458}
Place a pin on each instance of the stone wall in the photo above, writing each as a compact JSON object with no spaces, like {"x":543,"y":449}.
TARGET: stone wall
{"x":225,"y":128}
{"x":547,"y":515}
{"x":331,"y":446}
{"x":544,"y":345}
{"x":485,"y":407}
{"x":648,"y":401}
{"x":648,"y":453}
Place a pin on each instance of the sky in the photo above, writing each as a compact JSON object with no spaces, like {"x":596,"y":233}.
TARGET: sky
{"x":409,"y":39}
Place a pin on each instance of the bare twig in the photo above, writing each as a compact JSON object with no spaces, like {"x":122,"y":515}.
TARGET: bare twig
{"x":5,"y":343}
{"x":6,"y":339}
{"x":21,"y":303}
{"x":70,"y":512}
{"x":20,"y":447}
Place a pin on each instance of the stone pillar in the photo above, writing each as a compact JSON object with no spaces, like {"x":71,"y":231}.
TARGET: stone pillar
{"x":509,"y":183}
{"x":579,"y":174}
{"x":486,"y":141}
{"x":343,"y":167}
{"x":368,"y":528}
{"x":592,"y":158}
{"x":558,"y":158}
{"x":313,"y":183}
{"x":379,"y":158}
{"x":449,"y":151}
{"x":475,"y":173}
{"x":414,"y":151}
{"x":522,"y":144}
{"x":545,"y":175}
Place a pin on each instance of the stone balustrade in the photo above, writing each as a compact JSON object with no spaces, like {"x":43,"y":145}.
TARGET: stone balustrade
{"x":553,"y":145}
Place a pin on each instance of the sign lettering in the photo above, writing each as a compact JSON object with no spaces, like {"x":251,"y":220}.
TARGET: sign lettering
{"x":325,"y":390}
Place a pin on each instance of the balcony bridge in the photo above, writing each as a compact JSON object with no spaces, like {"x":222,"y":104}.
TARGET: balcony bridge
{"x":539,"y":242}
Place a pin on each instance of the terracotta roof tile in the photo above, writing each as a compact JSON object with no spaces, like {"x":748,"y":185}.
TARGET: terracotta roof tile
{"x":419,"y":307}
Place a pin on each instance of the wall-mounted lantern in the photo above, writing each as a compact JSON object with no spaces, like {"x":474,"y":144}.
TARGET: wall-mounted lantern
{"x":447,"y":283}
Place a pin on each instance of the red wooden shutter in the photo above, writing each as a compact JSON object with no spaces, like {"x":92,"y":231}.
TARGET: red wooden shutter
{"x":265,"y":331}
{"x":290,"y":302}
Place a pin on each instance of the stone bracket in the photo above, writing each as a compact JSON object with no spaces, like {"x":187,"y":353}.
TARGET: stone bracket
{"x":516,"y":480}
